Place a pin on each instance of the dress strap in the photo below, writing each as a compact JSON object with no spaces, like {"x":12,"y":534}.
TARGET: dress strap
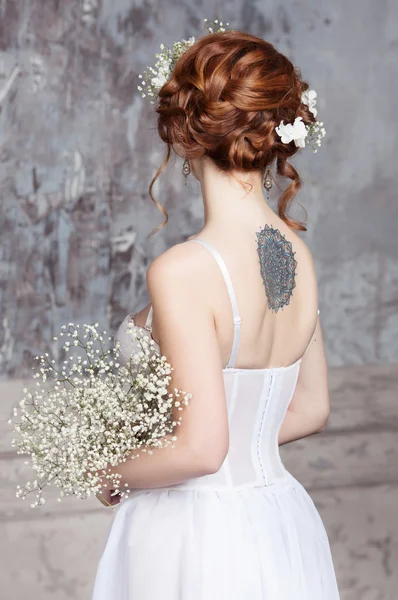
{"x":231,"y":293}
{"x":148,"y":322}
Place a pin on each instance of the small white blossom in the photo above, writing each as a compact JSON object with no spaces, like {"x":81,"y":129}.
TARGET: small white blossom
{"x":98,"y":413}
{"x":154,"y":78}
{"x":160,"y":80}
{"x":309,"y":98}
{"x":296,"y":132}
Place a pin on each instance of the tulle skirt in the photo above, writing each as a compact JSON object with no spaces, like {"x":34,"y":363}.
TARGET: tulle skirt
{"x":255,"y":543}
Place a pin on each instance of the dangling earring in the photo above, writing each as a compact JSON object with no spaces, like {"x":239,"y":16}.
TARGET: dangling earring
{"x":186,"y":169}
{"x":267,"y":182}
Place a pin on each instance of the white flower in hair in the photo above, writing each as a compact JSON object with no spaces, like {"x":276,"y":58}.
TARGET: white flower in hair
{"x":160,"y":80}
{"x":309,"y":98}
{"x":303,"y":134}
{"x":296,"y":131}
{"x":154,"y":78}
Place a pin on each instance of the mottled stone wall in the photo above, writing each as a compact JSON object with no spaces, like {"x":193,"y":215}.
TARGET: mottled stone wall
{"x":78,"y":148}
{"x":77,"y":151}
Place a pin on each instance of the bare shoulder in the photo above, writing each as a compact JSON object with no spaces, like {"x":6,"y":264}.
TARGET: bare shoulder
{"x":181,"y":312}
{"x":303,"y":253}
{"x":179,"y":264}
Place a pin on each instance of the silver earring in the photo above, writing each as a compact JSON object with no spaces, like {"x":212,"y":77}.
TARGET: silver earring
{"x":186,"y":169}
{"x":267,"y":182}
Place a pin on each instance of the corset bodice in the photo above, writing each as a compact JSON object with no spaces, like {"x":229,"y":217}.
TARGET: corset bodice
{"x":257,"y":400}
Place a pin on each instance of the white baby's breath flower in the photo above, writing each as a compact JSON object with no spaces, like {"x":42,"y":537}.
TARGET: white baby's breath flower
{"x":154,"y":77}
{"x":97,"y":414}
{"x":316,"y":132}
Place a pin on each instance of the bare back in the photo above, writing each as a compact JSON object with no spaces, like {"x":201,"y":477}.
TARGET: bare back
{"x":205,"y":336}
{"x":270,"y":337}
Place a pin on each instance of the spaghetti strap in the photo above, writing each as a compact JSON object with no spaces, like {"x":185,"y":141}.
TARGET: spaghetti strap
{"x":232,"y":296}
{"x":148,"y":322}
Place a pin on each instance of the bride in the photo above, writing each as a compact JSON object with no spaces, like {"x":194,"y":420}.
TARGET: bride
{"x":235,"y":310}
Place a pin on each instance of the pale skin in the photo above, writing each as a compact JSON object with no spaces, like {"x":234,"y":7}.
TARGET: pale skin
{"x":192,"y":322}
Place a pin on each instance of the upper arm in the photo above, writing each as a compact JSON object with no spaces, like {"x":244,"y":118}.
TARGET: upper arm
{"x":311,"y":394}
{"x":186,"y":334}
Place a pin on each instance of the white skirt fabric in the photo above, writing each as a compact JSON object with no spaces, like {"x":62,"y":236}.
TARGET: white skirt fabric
{"x":254,"y":543}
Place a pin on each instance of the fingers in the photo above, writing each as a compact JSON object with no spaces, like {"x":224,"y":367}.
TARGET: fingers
{"x":107,"y":499}
{"x":114,"y":499}
{"x":104,"y":499}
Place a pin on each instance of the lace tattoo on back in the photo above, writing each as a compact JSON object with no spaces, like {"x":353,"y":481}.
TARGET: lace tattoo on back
{"x":278,"y":266}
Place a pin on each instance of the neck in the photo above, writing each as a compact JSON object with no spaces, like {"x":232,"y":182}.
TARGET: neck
{"x":232,"y":200}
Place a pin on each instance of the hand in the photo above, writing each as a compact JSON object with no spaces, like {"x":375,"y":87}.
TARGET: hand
{"x":106,"y":498}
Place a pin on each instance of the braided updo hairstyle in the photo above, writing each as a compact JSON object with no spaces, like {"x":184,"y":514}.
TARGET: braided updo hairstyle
{"x":226,"y":95}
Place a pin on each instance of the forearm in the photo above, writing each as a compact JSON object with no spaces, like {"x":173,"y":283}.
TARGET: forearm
{"x":298,"y":425}
{"x":165,"y":466}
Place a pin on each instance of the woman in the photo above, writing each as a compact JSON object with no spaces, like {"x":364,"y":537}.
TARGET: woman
{"x":235,"y":310}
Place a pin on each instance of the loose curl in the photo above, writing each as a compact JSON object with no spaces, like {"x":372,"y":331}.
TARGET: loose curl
{"x":226,"y":95}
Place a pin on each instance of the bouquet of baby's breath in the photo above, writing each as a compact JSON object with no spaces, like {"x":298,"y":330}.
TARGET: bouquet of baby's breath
{"x":93,"y":413}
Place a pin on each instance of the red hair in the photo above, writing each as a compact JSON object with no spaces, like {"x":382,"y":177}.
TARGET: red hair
{"x":226,"y":95}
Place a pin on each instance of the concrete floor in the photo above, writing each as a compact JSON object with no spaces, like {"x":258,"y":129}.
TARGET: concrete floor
{"x":351,"y":472}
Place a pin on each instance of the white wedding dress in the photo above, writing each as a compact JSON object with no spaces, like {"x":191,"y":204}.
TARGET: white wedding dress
{"x":248,"y":532}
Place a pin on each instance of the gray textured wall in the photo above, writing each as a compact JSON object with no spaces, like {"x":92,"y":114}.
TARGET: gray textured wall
{"x":77,"y":151}
{"x":78,"y":148}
